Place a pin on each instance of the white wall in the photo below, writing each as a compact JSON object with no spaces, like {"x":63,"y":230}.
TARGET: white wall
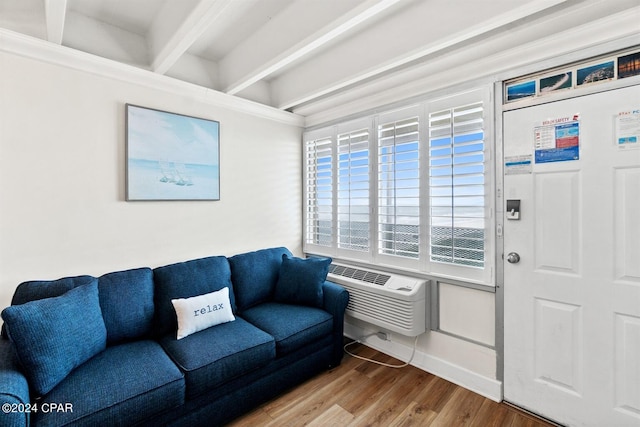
{"x":62,"y":179}
{"x":468,"y":313}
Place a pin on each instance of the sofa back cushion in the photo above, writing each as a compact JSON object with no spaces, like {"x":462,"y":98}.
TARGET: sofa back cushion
{"x":126,"y":298}
{"x":185,"y":280}
{"x":255,"y":274}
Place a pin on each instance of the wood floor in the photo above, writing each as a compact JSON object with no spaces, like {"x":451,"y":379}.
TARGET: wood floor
{"x":359,"y":393}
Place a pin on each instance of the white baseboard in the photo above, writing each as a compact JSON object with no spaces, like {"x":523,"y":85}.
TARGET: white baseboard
{"x":480,"y":384}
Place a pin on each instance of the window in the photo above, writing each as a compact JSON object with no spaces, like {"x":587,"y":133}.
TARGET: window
{"x":319,"y":192}
{"x":412,"y":194}
{"x":353,"y":190}
{"x":399,"y":188}
{"x":456,"y":184}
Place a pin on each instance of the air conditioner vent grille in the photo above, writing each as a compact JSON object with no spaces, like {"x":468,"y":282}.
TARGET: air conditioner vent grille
{"x":357,"y":274}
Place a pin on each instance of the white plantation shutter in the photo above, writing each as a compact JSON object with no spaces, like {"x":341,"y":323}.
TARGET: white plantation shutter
{"x":353,"y":190}
{"x":407,"y":188}
{"x":319,"y":192}
{"x":399,"y":188}
{"x":457,"y":185}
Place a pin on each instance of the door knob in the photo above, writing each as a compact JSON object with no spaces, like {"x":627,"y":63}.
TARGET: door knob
{"x":513,"y":258}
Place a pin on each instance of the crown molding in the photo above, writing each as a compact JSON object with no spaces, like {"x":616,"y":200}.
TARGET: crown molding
{"x":51,"y":53}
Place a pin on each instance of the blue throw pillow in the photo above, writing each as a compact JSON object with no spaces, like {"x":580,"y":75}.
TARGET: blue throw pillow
{"x":301,"y":280}
{"x":53,"y":336}
{"x":39,"y":289}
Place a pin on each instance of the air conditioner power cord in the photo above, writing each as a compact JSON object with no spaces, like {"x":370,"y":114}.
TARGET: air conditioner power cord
{"x":362,"y":340}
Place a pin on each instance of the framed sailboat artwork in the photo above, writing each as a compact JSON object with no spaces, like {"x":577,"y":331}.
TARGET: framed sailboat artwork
{"x":171,"y":156}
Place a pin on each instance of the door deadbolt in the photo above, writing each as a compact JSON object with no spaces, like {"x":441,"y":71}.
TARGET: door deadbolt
{"x":513,"y":258}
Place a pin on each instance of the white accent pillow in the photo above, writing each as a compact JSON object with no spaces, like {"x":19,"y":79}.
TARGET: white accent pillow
{"x":201,"y":312}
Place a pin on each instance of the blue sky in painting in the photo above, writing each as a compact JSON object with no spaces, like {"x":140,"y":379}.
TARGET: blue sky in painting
{"x":162,"y":136}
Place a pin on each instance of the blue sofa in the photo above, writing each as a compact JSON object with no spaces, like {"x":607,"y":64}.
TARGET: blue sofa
{"x":105,"y":351}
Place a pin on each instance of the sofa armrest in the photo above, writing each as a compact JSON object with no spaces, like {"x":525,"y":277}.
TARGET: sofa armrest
{"x":335,"y":303}
{"x":14,"y":390}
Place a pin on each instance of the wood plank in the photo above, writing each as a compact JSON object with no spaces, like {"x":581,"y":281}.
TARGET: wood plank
{"x":524,"y":420}
{"x":460,"y":409}
{"x":305,"y":407}
{"x":257,"y":417}
{"x":396,"y":400}
{"x":379,"y":385}
{"x":492,"y":414}
{"x":333,"y":378}
{"x":414,"y":414}
{"x":437,"y":393}
{"x":334,"y":416}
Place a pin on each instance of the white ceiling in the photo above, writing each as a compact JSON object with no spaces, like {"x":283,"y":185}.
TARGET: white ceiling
{"x":301,"y":55}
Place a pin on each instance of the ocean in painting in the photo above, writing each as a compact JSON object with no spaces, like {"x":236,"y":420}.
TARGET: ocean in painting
{"x":166,"y":180}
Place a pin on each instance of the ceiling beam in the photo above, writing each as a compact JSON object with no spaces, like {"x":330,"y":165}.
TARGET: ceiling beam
{"x":345,"y":23}
{"x":183,"y":33}
{"x":55,"y":11}
{"x":504,"y":19}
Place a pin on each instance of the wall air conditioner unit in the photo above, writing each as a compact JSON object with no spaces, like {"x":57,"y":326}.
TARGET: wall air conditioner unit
{"x":395,"y":303}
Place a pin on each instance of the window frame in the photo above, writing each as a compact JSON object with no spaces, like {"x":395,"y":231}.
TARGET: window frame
{"x":423,"y":264}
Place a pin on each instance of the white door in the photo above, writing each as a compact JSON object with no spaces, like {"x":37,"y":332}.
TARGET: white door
{"x":572,"y":302}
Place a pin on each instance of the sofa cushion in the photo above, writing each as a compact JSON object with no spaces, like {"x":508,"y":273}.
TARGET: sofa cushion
{"x":292,"y":326}
{"x":214,"y":356}
{"x":300,"y":280}
{"x":53,"y":336}
{"x":124,"y":385}
{"x":202,"y":312}
{"x":126,"y":299}
{"x":254,"y":275}
{"x":185,"y":280}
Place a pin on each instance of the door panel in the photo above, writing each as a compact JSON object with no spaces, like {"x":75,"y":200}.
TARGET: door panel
{"x":627,"y":208}
{"x":627,"y":369}
{"x":558,"y":345}
{"x":557,"y":213}
{"x":572,"y":303}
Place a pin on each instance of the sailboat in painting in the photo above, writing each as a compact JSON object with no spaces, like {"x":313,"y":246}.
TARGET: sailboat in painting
{"x":174,"y":173}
